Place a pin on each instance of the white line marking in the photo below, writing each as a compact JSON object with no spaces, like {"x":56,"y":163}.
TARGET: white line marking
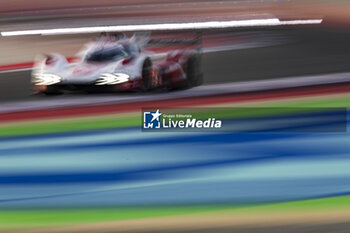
{"x":165,"y":26}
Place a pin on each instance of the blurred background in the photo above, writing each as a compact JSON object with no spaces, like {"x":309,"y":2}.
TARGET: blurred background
{"x":80,"y":163}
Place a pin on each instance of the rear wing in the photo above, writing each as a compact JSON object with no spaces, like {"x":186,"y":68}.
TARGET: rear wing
{"x":197,"y":41}
{"x":143,"y":39}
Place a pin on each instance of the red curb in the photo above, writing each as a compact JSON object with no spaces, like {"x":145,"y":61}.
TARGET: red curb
{"x":24,"y":65}
{"x":18,"y":66}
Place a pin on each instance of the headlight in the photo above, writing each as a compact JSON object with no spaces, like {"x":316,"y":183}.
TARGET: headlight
{"x":46,"y":79}
{"x":112,"y":79}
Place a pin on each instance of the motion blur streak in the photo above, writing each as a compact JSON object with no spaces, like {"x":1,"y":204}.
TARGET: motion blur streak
{"x":92,"y":168}
{"x":80,"y":163}
{"x":168,"y":26}
{"x":119,"y":173}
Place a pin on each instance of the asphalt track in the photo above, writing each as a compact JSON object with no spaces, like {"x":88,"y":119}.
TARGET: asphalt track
{"x":309,"y":51}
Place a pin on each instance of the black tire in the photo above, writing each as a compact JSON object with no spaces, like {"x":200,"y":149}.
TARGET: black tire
{"x":50,"y":90}
{"x":192,"y":71}
{"x":147,"y":75}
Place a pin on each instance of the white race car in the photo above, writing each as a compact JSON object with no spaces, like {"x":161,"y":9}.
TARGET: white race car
{"x":117,"y":63}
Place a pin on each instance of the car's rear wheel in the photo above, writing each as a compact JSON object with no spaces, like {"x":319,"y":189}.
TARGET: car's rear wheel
{"x":147,"y":75}
{"x":192,"y":71}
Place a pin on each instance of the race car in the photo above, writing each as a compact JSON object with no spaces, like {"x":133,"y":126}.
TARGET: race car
{"x":114,"y":62}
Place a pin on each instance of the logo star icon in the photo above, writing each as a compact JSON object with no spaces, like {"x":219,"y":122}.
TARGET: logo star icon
{"x":156,"y":115}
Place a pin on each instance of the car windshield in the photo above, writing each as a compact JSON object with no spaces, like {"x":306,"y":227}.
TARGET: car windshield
{"x":104,"y":55}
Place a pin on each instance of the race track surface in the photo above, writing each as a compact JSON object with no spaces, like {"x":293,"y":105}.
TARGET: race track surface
{"x":308,"y":51}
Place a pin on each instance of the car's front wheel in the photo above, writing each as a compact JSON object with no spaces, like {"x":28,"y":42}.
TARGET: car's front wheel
{"x":51,"y":90}
{"x":147,"y":75}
